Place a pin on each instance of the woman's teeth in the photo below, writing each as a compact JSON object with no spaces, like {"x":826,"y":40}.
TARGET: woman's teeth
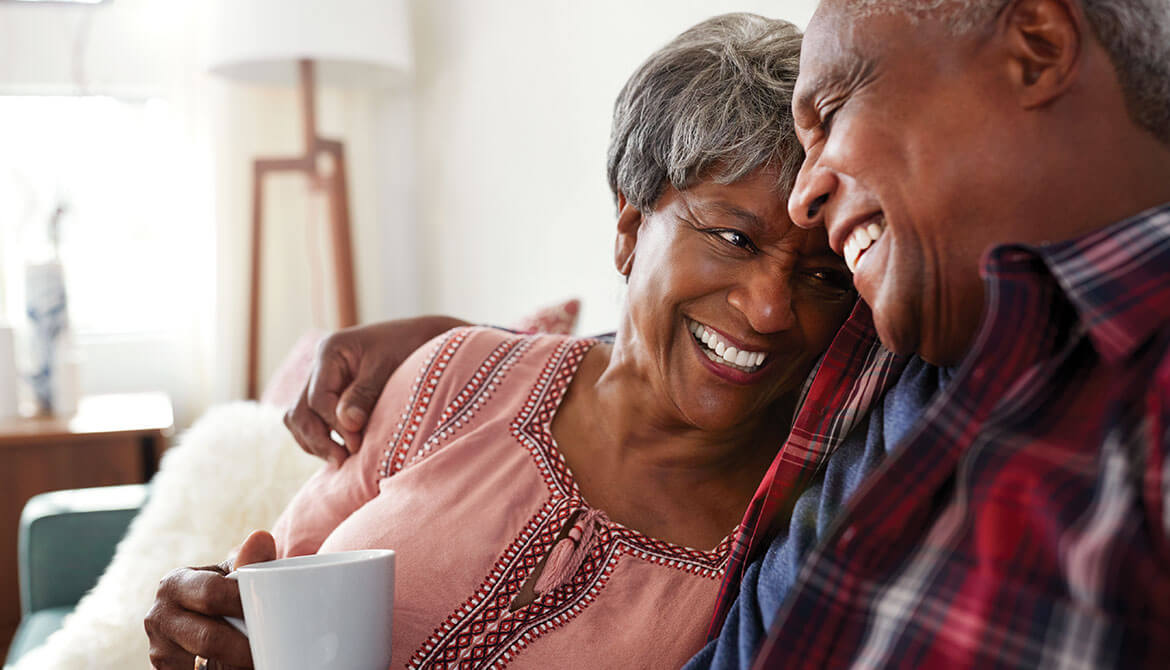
{"x":719,"y":351}
{"x":861,"y":239}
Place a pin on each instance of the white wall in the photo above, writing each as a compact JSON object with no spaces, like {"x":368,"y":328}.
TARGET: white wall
{"x":514,"y":100}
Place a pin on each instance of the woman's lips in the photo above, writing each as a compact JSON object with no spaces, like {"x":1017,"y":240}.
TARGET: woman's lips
{"x":721,"y":351}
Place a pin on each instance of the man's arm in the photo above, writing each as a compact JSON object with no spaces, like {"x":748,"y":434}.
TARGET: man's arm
{"x":349,"y":370}
{"x":1157,"y":477}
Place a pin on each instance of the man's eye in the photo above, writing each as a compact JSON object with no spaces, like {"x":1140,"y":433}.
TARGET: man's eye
{"x":827,"y":119}
{"x":736,"y":238}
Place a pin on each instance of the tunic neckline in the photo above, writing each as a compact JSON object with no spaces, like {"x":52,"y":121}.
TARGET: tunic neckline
{"x":534,"y":421}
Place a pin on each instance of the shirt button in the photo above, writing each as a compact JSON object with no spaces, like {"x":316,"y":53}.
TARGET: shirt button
{"x":847,"y":538}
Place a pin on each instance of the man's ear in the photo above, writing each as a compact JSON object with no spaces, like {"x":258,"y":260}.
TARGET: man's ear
{"x":1044,"y":41}
{"x":628,"y":224}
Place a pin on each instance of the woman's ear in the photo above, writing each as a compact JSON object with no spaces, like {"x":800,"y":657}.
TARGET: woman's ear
{"x":628,"y":223}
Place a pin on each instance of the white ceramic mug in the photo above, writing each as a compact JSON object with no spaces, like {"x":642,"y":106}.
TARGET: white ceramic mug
{"x":322,"y":612}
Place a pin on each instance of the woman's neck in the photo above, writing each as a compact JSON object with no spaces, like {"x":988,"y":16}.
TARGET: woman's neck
{"x":634,"y":456}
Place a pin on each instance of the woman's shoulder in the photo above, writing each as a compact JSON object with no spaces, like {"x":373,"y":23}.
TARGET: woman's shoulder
{"x":471,"y":356}
{"x":469,"y":345}
{"x":467,"y":371}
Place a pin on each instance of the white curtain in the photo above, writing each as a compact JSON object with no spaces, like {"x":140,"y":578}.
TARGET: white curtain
{"x":151,"y":50}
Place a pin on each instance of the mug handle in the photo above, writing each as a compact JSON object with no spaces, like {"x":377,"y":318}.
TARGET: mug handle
{"x":238,"y":624}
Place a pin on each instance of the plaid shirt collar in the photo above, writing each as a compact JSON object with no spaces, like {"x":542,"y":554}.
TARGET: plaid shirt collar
{"x":853,"y":374}
{"x":1119,"y":298}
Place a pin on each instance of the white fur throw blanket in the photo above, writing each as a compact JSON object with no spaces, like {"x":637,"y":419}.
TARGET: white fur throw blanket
{"x":232,"y":472}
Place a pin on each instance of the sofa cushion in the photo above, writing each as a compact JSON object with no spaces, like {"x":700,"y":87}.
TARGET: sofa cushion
{"x":233,"y":471}
{"x":35,"y":629}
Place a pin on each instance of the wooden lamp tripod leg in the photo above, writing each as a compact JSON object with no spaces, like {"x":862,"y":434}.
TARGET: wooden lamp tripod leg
{"x":337,"y":190}
{"x":338,"y":193}
{"x":254,"y":295}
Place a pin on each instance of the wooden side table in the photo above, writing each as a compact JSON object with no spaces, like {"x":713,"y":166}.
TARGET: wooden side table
{"x":112,"y":439}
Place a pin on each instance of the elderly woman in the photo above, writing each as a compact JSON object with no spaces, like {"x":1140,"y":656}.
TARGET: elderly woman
{"x":570,"y":502}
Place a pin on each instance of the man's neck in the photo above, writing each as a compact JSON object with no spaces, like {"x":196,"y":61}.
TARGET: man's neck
{"x":1113,"y":173}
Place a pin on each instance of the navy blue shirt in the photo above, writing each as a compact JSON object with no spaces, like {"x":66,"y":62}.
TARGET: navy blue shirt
{"x":768,"y":580}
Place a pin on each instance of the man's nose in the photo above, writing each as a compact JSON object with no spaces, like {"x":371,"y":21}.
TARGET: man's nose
{"x":765,"y":298}
{"x":814,"y":186}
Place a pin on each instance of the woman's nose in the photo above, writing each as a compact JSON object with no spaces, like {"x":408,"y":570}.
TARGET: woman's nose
{"x":765,"y":299}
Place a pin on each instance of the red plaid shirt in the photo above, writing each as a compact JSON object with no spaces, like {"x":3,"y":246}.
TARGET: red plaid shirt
{"x":1023,"y":522}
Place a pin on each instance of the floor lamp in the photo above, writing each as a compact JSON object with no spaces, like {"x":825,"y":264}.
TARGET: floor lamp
{"x":339,"y":42}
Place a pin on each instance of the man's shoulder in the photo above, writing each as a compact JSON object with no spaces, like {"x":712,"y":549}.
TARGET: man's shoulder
{"x":1159,"y":387}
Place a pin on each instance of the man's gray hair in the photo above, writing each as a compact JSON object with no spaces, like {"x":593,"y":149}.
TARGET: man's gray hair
{"x":714,"y":103}
{"x":1135,"y":34}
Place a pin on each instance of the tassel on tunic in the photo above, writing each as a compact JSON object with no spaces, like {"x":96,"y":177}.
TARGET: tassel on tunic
{"x":566,"y":556}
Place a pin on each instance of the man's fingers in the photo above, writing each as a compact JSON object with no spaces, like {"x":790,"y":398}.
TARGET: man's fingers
{"x":311,"y":432}
{"x":357,"y":401}
{"x":333,"y":369}
{"x":350,"y":369}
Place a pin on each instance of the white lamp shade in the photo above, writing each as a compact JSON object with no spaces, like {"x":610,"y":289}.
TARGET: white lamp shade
{"x":352,"y":42}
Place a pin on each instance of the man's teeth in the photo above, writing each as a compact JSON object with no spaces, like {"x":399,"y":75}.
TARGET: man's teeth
{"x":718,"y":350}
{"x":859,"y":240}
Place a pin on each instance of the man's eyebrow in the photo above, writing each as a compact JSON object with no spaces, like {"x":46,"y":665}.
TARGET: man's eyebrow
{"x":803,"y":103}
{"x":844,"y":74}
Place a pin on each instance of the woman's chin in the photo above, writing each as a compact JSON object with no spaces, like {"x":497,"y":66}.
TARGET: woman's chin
{"x":719,"y":413}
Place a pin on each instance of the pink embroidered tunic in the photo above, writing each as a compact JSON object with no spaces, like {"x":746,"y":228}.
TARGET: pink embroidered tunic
{"x":460,"y":475}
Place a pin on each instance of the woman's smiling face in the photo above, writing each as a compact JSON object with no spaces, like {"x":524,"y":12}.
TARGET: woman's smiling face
{"x":729,"y":304}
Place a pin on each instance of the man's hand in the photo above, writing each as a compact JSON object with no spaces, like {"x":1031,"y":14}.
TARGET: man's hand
{"x":186,"y":618}
{"x":349,"y":371}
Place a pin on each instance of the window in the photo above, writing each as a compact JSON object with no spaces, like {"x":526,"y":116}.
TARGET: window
{"x":136,"y":242}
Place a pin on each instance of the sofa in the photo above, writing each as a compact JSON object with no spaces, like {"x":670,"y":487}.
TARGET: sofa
{"x":233,"y":471}
{"x":67,"y":538}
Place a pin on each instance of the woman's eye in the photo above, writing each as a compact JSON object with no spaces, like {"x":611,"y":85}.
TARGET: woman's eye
{"x":736,"y":238}
{"x":829,"y":279}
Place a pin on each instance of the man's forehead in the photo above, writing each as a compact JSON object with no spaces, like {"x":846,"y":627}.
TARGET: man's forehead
{"x":843,"y":44}
{"x":830,"y":23}
{"x":828,"y":55}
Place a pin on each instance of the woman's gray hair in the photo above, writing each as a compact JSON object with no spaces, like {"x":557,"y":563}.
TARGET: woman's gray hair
{"x":714,"y":103}
{"x":1135,"y":34}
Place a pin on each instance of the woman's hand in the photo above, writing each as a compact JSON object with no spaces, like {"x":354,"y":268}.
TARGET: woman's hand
{"x":349,"y":370}
{"x":186,"y":618}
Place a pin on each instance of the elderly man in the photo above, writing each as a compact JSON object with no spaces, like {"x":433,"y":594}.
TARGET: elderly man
{"x":997,"y":175}
{"x":993,"y":489}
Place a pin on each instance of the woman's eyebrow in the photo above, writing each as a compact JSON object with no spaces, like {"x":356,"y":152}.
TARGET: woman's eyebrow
{"x":748,"y":217}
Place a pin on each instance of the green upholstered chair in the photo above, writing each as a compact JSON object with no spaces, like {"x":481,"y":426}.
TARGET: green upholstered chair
{"x":67,"y":539}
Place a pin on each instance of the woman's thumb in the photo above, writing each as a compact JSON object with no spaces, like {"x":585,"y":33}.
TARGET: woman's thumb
{"x":260,"y":546}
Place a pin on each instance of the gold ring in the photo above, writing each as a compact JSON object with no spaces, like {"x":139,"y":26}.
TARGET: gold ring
{"x":200,"y":663}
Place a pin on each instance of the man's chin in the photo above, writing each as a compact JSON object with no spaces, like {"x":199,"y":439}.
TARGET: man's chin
{"x":904,"y":340}
{"x":897,"y":335}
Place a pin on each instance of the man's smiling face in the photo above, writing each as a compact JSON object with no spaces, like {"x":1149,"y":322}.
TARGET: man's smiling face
{"x":905,"y":165}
